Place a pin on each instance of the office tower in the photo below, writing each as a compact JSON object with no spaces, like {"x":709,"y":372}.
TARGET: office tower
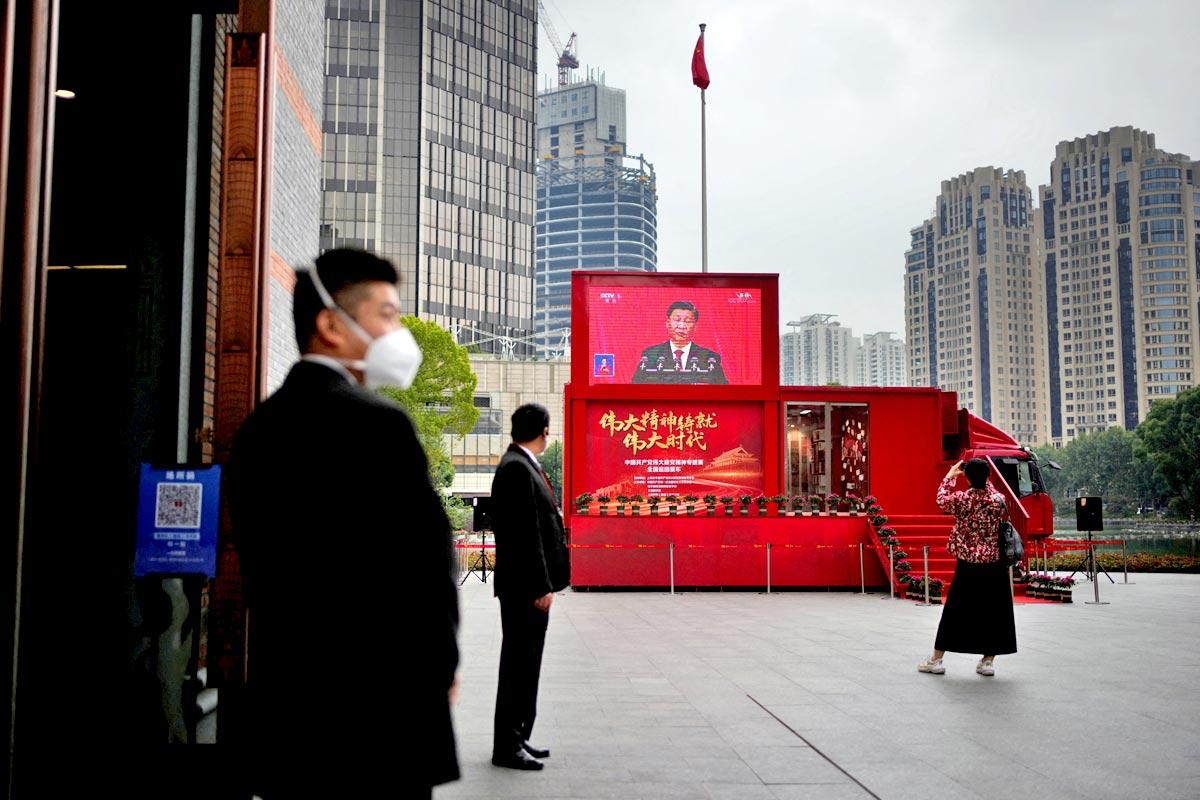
{"x":816,"y":352}
{"x":975,"y":313}
{"x":428,"y":155}
{"x":1121,"y":222}
{"x":596,"y":206}
{"x":881,"y":360}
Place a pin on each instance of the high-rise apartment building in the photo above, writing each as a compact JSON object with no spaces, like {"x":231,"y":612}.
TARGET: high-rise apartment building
{"x":1121,"y":224}
{"x":596,"y":207}
{"x":428,"y":137}
{"x":975,"y":313}
{"x":817,"y":351}
{"x":881,"y":360}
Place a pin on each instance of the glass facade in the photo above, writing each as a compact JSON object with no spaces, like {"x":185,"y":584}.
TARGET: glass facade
{"x":428,"y":156}
{"x":827,"y":449}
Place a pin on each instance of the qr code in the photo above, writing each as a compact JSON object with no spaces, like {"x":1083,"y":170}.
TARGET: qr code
{"x":178,"y":505}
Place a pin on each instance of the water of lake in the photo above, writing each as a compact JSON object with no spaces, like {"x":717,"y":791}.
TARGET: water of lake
{"x":1141,"y":537}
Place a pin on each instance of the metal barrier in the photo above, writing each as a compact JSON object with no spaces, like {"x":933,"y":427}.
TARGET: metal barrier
{"x":768,"y":547}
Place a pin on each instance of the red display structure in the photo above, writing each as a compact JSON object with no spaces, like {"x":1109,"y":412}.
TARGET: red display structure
{"x":675,"y":395}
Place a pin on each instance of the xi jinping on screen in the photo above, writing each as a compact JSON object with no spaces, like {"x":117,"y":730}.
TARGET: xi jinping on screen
{"x":680,"y":359}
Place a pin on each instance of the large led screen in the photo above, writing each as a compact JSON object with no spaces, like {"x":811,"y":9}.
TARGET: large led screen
{"x":661,"y":447}
{"x":674,"y":335}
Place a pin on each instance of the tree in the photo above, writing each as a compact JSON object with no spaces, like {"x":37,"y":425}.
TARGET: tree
{"x":441,"y":401}
{"x":551,"y":460}
{"x":1170,"y":438}
{"x":1102,"y":464}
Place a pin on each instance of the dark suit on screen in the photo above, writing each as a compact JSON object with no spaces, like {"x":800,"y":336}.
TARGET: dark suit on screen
{"x":531,"y":561}
{"x":353,"y":607}
{"x":666,"y":352}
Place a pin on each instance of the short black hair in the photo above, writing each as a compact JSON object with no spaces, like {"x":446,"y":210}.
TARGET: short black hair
{"x":686,"y":306}
{"x":529,"y":422}
{"x":977,"y":470}
{"x":342,"y":271}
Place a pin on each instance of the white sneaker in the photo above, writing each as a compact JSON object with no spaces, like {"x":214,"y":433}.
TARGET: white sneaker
{"x":985,"y":668}
{"x":932,"y":666}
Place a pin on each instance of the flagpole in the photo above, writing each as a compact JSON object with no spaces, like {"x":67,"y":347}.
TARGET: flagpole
{"x":703,"y":176}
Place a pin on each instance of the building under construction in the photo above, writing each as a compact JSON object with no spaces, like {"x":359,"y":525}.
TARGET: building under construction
{"x":596,"y":206}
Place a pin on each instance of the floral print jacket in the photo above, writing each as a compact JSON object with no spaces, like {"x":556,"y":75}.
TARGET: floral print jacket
{"x":977,"y":515}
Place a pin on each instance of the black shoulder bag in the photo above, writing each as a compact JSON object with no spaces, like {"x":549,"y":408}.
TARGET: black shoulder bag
{"x":1012,"y":549}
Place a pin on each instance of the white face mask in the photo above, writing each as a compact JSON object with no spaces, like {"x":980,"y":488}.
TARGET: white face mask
{"x":391,"y":359}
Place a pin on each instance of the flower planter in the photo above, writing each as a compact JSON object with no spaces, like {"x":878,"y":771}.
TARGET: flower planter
{"x":729,"y":511}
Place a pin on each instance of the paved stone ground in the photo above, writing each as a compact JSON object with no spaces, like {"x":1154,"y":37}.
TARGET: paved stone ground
{"x":816,"y":695}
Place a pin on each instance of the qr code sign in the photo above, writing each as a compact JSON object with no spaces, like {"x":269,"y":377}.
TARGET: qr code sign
{"x":178,"y":505}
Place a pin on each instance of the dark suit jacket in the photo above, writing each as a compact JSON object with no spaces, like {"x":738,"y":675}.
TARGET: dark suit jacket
{"x":349,"y":576}
{"x":667,"y":353}
{"x":531,"y":543}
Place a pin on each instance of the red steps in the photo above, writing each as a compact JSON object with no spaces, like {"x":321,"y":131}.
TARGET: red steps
{"x":916,"y":531}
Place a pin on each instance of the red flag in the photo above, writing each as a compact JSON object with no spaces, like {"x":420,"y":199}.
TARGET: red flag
{"x":699,"y":70}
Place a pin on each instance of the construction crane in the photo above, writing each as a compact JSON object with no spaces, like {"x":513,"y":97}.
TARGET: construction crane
{"x":567,"y":60}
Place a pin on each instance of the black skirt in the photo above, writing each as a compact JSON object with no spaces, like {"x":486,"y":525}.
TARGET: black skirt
{"x":978,"y":616}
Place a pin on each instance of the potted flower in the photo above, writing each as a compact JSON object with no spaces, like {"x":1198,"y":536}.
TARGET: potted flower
{"x":653,"y":500}
{"x":814,"y":502}
{"x":887,"y":536}
{"x":745,"y":500}
{"x":781,"y":505}
{"x":621,"y":501}
{"x":871,"y":505}
{"x":800,"y":505}
{"x":710,"y":501}
{"x":582,"y":502}
{"x":635,"y":505}
{"x":690,"y":500}
{"x":832,"y":501}
{"x":603,"y":501}
{"x":672,"y":504}
{"x":878,"y":519}
{"x":727,"y":501}
{"x":903,"y":566}
{"x":1063,"y":588}
{"x":853,"y":504}
{"x":761,"y":501}
{"x":917,"y":585}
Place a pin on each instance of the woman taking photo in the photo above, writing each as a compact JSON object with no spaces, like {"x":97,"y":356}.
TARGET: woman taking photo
{"x":978,"y":615}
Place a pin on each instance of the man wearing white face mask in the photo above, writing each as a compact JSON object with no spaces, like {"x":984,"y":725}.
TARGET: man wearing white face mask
{"x":347,"y":558}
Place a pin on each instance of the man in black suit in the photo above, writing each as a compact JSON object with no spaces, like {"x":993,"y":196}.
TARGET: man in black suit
{"x":532,"y":564}
{"x":347,"y":559}
{"x":679,"y":359}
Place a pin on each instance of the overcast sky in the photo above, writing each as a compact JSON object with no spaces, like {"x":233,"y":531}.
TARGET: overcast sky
{"x":832,"y":124}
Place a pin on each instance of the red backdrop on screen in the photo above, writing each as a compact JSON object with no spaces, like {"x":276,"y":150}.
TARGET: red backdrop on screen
{"x":662,"y":447}
{"x":625,"y":320}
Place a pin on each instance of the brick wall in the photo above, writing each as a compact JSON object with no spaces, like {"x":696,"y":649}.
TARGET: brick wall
{"x":224,"y":25}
